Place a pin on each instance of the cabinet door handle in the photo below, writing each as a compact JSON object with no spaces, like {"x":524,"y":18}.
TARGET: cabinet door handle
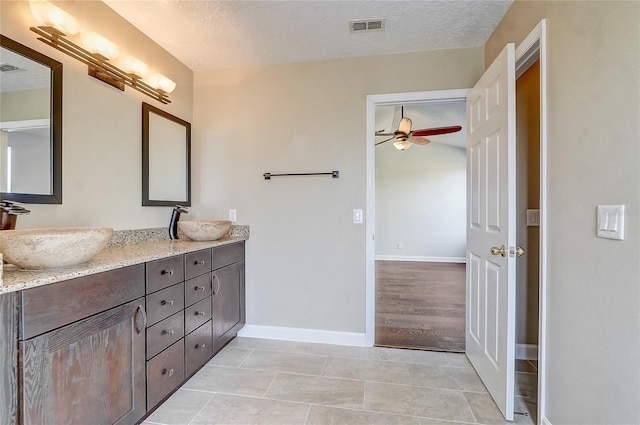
{"x":167,"y":372}
{"x":163,"y":302}
{"x":199,"y":313}
{"x":169,"y":272}
{"x":199,"y":288}
{"x":215,"y":277}
{"x":140,"y":310}
{"x":201,"y":346}
{"x":168,"y":332}
{"x":198,"y":263}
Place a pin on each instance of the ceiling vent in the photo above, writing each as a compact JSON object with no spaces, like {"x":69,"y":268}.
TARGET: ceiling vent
{"x":5,"y":67}
{"x":367,"y":25}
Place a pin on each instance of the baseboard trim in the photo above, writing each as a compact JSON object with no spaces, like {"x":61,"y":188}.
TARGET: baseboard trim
{"x":304,"y":335}
{"x":421,"y":259}
{"x":526,"y":352}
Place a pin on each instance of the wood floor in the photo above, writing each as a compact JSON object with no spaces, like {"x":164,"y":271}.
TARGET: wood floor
{"x":420,"y":305}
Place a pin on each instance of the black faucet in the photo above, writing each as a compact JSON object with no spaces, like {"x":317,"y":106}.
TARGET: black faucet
{"x":175,"y":217}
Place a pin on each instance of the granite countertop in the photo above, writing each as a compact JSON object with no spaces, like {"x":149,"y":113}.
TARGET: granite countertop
{"x":113,"y":257}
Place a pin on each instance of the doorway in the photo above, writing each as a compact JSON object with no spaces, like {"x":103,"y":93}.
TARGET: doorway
{"x":421,"y":229}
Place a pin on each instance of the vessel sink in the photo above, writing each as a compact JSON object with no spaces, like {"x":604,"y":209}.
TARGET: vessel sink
{"x":204,"y":230}
{"x":38,"y":249}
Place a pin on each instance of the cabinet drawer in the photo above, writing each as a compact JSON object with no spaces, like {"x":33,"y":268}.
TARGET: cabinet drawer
{"x":196,"y":315}
{"x":164,"y":272}
{"x":48,"y":307}
{"x":197,"y":263}
{"x":197,"y":288}
{"x":227,"y":254}
{"x":165,"y":373}
{"x":198,"y":347}
{"x":164,"y":333}
{"x":163,"y":304}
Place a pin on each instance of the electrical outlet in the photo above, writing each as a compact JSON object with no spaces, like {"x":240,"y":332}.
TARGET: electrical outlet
{"x":233,"y":216}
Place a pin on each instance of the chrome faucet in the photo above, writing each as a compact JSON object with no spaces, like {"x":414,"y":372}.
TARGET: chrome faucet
{"x":175,"y":217}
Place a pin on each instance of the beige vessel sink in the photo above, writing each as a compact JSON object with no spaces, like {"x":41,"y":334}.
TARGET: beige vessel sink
{"x":38,"y":249}
{"x":205,"y":230}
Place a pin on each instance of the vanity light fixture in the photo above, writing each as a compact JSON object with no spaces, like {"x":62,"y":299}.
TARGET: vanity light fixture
{"x":54,"y":25}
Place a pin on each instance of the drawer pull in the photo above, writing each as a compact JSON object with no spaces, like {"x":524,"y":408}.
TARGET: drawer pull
{"x":164,"y":302}
{"x":215,"y":277}
{"x":199,"y":313}
{"x":168,"y":332}
{"x":167,"y":372}
{"x":198,"y":263}
{"x":169,"y":272}
{"x":140,"y":310}
{"x":201,"y":346}
{"x":199,"y":288}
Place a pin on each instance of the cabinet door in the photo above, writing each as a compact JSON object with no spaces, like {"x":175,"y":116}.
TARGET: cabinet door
{"x":89,"y":372}
{"x":228,"y":303}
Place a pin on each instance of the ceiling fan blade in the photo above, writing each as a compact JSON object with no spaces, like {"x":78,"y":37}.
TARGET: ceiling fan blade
{"x":390,"y":138}
{"x":436,"y":130}
{"x":380,"y":133}
{"x":405,"y":125}
{"x":419,"y":140}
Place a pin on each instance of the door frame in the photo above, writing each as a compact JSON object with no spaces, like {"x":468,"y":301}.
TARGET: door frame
{"x":534,"y":46}
{"x":370,"y":224}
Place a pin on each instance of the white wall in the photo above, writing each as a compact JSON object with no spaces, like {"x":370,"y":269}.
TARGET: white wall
{"x":306,"y":259}
{"x":593,"y":300}
{"x":102,"y":126}
{"x":421,"y":192}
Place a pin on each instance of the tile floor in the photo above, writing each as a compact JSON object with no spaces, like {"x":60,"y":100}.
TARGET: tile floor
{"x":255,"y":381}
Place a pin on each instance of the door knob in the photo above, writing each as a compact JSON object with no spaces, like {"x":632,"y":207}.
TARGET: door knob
{"x":519,"y":251}
{"x":502,"y":251}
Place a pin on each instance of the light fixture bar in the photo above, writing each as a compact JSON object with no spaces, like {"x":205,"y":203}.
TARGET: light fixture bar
{"x":99,"y":67}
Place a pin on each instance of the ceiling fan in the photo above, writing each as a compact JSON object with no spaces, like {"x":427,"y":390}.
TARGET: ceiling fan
{"x":405,"y":137}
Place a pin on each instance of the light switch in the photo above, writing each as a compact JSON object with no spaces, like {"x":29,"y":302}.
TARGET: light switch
{"x":611,"y":222}
{"x":357,"y":216}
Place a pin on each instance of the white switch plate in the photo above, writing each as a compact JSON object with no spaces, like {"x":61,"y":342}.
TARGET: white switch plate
{"x":357,"y":216}
{"x":533,"y":217}
{"x":233,"y":216}
{"x":611,"y":222}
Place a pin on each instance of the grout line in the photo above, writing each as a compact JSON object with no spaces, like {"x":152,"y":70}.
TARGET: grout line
{"x":246,"y":358}
{"x":326,"y":359}
{"x":475,"y":418}
{"x":308,"y":414}
{"x":201,"y":409}
{"x":270,"y":384}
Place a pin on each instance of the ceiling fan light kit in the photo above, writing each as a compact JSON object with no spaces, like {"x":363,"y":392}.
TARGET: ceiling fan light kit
{"x":402,"y":145}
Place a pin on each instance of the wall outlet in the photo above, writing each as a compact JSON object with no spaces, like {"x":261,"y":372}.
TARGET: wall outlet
{"x":233,"y":216}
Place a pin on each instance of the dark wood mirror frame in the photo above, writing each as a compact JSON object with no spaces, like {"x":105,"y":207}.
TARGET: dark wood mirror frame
{"x":56,"y":126}
{"x":146,"y":110}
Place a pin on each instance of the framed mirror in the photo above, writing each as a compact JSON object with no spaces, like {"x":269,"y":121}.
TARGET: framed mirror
{"x":166,"y":159}
{"x":30,"y":125}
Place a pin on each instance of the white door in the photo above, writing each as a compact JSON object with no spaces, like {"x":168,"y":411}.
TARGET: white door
{"x":490,"y":321}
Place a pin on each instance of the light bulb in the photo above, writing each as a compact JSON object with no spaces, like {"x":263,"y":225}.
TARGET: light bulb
{"x":402,"y":145}
{"x":97,"y":44}
{"x":133,"y":66}
{"x":160,"y":82}
{"x":49,"y":15}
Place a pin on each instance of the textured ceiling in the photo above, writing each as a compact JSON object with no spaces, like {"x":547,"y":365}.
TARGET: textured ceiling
{"x":208,"y":35}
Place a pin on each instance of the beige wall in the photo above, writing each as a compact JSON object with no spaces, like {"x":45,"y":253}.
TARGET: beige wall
{"x":306,"y":259}
{"x":25,"y":105}
{"x":102,"y":127}
{"x":593,"y":345}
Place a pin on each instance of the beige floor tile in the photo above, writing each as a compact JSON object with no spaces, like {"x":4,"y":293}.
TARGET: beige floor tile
{"x":432,"y":376}
{"x":487,"y":413}
{"x":527,"y":385}
{"x":317,"y":390}
{"x":229,"y":409}
{"x":367,"y":370}
{"x":466,"y":378}
{"x":231,"y":356}
{"x":333,"y":416}
{"x":332,"y":350}
{"x":415,"y":401}
{"x":433,"y":358}
{"x":278,"y":361}
{"x":180,"y":408}
{"x":426,"y":421}
{"x":458,"y":360}
{"x":231,"y":381}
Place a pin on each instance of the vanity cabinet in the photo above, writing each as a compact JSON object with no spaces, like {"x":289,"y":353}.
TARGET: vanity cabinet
{"x":82,"y":350}
{"x":228,"y":303}
{"x":8,"y":359}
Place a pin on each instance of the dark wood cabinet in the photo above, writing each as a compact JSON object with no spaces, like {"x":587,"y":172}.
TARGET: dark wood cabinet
{"x":228,"y":303}
{"x":8,"y":359}
{"x":90,"y":371}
